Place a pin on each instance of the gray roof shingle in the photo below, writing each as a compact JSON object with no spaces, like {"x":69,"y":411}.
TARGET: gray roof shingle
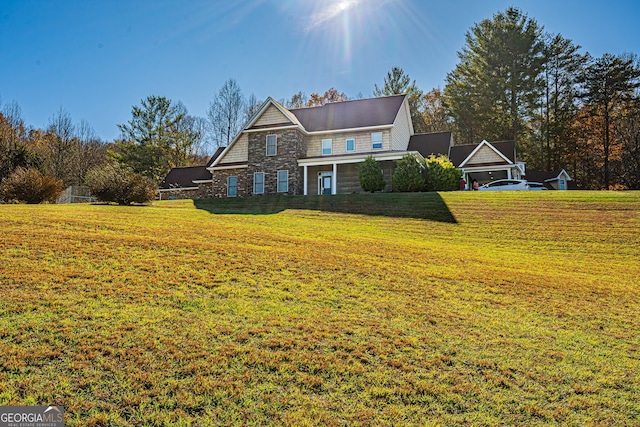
{"x":350,"y":114}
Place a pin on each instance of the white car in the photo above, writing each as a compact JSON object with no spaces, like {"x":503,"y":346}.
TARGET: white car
{"x":536,"y":186}
{"x":505,"y":185}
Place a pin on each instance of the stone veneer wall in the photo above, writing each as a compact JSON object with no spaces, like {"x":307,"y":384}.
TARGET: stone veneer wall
{"x":290,"y":147}
{"x":219,"y":188}
{"x":202,"y":192}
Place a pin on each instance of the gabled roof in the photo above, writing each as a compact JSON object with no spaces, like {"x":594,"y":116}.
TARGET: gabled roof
{"x":184,"y":177}
{"x":460,"y":154}
{"x":540,"y":176}
{"x":215,"y":156}
{"x":437,"y":143}
{"x":350,"y":114}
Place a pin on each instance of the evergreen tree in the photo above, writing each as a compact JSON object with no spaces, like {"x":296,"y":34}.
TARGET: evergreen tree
{"x":408,"y":175}
{"x":398,"y":83}
{"x":495,"y":88}
{"x":156,"y":138}
{"x":441,"y":174}
{"x":371,"y":176}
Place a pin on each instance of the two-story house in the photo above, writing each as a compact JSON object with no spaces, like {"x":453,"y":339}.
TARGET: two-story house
{"x":313,"y":150}
{"x":317,"y":150}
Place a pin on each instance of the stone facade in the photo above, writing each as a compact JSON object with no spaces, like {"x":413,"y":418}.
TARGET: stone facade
{"x":290,"y":146}
{"x":219,"y":187}
{"x":202,"y":192}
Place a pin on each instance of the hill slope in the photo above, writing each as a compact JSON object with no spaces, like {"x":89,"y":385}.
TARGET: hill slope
{"x":517,"y":308}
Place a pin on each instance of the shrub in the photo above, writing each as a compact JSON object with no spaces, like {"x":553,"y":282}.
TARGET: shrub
{"x":371,"y":176}
{"x":441,"y":174}
{"x":29,"y":185}
{"x":408,"y":175}
{"x":113,"y":182}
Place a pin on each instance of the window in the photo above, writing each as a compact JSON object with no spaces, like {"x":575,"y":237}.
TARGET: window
{"x":351,"y":144}
{"x":327,"y":147}
{"x":283,"y":181}
{"x":271,"y":145}
{"x":258,"y":183}
{"x":376,"y":140}
{"x":232,"y":186}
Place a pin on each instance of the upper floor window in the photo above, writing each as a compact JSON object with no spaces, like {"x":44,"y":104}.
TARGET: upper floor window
{"x":376,"y":140}
{"x":351,"y":144}
{"x":232,"y":186}
{"x":272,"y":145}
{"x":258,"y":183}
{"x":327,"y":147}
{"x":283,"y":181}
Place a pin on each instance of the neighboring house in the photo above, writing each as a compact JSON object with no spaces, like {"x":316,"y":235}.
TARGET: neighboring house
{"x":558,"y":180}
{"x":192,"y":182}
{"x":313,"y":150}
{"x":484,"y":162}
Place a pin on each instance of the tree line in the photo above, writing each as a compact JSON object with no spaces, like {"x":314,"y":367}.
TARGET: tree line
{"x":513,"y":81}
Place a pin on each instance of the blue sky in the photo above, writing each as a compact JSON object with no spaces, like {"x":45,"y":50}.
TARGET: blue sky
{"x":98,"y":58}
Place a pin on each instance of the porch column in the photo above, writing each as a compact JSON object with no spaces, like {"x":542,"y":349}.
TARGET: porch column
{"x":334,"y":178}
{"x":304,"y":189}
{"x":509,"y":173}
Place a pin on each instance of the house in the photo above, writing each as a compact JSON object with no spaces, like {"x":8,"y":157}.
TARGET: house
{"x":192,"y":182}
{"x":484,"y":162}
{"x":557,"y":180}
{"x":313,"y":150}
{"x":317,"y":150}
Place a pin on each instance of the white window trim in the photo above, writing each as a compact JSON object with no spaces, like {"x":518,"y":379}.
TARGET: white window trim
{"x":275,"y":145}
{"x":381,"y":141}
{"x":278,"y":190}
{"x":330,"y":146}
{"x":346,"y":145}
{"x":228,"y":186}
{"x":254,"y":182}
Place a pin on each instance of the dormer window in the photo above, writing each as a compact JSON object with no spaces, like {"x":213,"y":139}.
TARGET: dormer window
{"x":272,"y":143}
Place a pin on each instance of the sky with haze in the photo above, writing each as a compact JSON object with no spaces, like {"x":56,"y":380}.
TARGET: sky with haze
{"x":98,"y":58}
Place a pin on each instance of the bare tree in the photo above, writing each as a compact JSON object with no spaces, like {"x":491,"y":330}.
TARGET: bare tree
{"x":251,"y":107}
{"x":225,"y":113}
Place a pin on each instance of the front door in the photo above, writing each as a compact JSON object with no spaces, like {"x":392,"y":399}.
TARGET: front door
{"x":325,"y":180}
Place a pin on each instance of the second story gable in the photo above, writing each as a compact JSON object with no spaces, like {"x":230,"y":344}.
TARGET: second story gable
{"x":364,"y":126}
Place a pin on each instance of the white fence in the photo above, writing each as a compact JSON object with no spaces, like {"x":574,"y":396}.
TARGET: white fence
{"x":75,"y":194}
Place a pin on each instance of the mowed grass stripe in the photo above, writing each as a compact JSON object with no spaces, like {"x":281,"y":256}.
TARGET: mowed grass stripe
{"x":468,"y":308}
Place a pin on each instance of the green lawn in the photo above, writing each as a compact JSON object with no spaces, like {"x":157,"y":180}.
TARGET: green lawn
{"x":384,"y":309}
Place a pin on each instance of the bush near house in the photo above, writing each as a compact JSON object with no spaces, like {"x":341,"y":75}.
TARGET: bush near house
{"x":29,"y":185}
{"x":408,"y":175}
{"x":114,"y":182}
{"x":371,"y":176}
{"x":441,"y":174}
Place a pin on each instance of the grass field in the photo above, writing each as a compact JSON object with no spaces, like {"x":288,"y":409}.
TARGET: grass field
{"x":450,"y":309}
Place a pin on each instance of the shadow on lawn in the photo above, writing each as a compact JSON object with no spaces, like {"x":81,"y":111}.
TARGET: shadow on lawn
{"x":429,"y":206}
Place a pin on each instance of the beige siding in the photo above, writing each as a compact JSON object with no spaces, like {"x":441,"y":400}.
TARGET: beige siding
{"x":363,"y":143}
{"x":485,"y":155}
{"x":272,"y":116}
{"x":239,"y":151}
{"x":401,"y":131}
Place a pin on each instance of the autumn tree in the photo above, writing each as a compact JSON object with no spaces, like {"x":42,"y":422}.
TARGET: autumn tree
{"x":435,"y":114}
{"x":397,"y":82}
{"x":608,"y":83}
{"x":298,"y":100}
{"x":331,"y":95}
